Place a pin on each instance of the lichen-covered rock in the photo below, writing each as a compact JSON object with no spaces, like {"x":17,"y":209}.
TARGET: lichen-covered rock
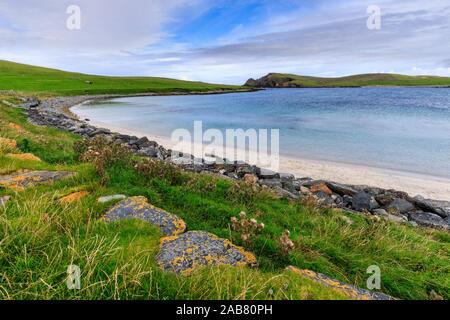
{"x":401,"y":206}
{"x":23,"y":179}
{"x":73,"y":197}
{"x":23,"y":156}
{"x":348,"y":290}
{"x":139,"y":208}
{"x":191,"y":251}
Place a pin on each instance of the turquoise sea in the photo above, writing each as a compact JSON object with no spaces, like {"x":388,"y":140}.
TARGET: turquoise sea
{"x":405,"y":129}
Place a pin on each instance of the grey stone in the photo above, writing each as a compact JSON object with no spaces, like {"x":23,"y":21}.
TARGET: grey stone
{"x":113,"y":197}
{"x":266,"y":173}
{"x":191,"y":251}
{"x":323,"y":198}
{"x":287,"y":177}
{"x":341,"y":189}
{"x":429,"y":220}
{"x":364,"y":201}
{"x":271,"y":183}
{"x":441,"y":208}
{"x":401,"y":205}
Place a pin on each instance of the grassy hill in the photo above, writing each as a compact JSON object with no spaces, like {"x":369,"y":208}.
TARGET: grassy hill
{"x":279,"y":80}
{"x":43,"y":81}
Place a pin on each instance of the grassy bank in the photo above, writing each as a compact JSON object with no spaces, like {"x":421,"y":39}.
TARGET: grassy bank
{"x":40,"y":237}
{"x":50,"y":82}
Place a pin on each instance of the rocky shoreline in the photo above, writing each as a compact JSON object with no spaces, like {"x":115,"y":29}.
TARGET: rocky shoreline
{"x":393,"y":205}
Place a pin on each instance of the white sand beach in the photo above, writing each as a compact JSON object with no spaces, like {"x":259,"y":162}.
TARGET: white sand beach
{"x":413,"y":184}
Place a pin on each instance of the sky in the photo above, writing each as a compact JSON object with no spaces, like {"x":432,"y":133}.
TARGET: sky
{"x":227,"y":41}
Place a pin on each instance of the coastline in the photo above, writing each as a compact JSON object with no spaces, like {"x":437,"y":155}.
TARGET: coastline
{"x":413,"y":184}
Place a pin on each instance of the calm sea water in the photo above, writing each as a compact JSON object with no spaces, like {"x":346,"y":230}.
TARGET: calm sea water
{"x":405,"y":129}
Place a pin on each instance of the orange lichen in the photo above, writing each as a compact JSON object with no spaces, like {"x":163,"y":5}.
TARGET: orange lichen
{"x":14,"y":126}
{"x":74,"y":197}
{"x":24,"y":156}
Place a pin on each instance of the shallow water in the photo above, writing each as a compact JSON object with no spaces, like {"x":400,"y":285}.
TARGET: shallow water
{"x":405,"y":129}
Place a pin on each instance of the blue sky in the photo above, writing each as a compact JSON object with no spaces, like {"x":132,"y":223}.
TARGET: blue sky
{"x":226,"y":41}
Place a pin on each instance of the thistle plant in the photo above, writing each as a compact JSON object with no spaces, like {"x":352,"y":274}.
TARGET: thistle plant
{"x":247,"y":228}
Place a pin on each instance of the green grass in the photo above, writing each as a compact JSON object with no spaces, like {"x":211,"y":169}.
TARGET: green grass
{"x":50,"y":82}
{"x":375,"y":79}
{"x":40,"y":237}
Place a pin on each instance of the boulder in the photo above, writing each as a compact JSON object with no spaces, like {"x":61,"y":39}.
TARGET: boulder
{"x":401,"y":206}
{"x":271,"y":183}
{"x":364,"y":201}
{"x":392,"y":217}
{"x":23,"y":156}
{"x":348,"y":290}
{"x":191,"y":251}
{"x":139,"y":208}
{"x":266,"y":173}
{"x":23,"y":179}
{"x":323,"y":198}
{"x":321,"y":187}
{"x":429,"y":220}
{"x":341,"y":189}
{"x":287,"y":177}
{"x":441,"y":208}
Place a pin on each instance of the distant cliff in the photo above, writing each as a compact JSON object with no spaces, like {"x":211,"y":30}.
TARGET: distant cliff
{"x":278,"y":80}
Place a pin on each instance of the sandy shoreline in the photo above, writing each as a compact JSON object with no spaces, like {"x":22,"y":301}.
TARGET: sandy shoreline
{"x":413,"y":184}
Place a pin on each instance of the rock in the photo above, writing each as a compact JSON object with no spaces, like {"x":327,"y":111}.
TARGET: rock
{"x":348,"y":290}
{"x":401,"y":206}
{"x":305,"y":191}
{"x":266,"y":174}
{"x":191,"y":251}
{"x":289,"y":186}
{"x":242,"y":170}
{"x":287,"y":177}
{"x":341,"y":189}
{"x":23,"y":156}
{"x":392,"y":217}
{"x":441,"y":208}
{"x":429,"y":220}
{"x":321,"y":187}
{"x":364,"y":201}
{"x":250,"y":179}
{"x":347,"y":200}
{"x":74,"y":197}
{"x":24,"y":179}
{"x":139,"y":208}
{"x":282,"y":193}
{"x":4,"y":200}
{"x":110,"y":198}
{"x":310,"y":183}
{"x":323,"y":198}
{"x":271,"y":183}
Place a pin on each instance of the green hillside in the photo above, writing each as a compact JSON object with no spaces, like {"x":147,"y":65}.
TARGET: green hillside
{"x":43,"y":81}
{"x":274,"y":80}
